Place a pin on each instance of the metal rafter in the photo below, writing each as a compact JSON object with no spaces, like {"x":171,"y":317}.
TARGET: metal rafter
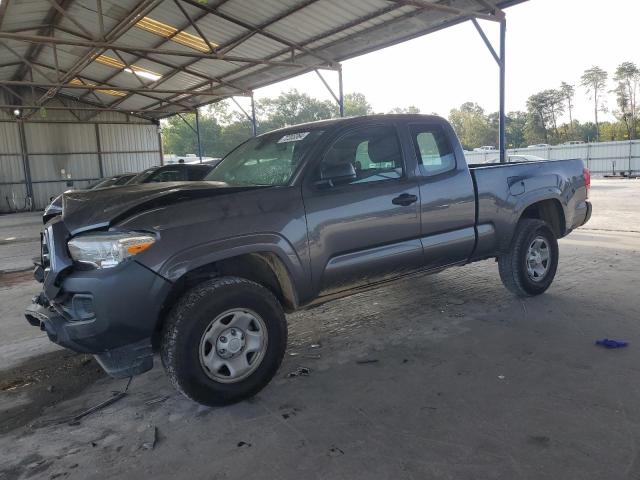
{"x":440,"y":7}
{"x":261,"y":29}
{"x":108,"y":45}
{"x":3,"y":9}
{"x":420,"y":5}
{"x":93,"y":109}
{"x":103,"y":85}
{"x":346,"y":26}
{"x":231,"y":44}
{"x":51,"y":20}
{"x":142,"y":8}
{"x":175,"y":68}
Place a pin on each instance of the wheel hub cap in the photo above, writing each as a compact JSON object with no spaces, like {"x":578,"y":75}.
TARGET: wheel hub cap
{"x":230,"y":342}
{"x":233,"y":345}
{"x":538,"y":259}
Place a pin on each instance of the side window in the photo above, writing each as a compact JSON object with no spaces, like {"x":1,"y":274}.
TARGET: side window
{"x":433,"y":149}
{"x":168,"y":176}
{"x":366,"y":155}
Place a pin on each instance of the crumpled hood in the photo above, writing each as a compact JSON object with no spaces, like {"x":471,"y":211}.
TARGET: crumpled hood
{"x":91,"y":209}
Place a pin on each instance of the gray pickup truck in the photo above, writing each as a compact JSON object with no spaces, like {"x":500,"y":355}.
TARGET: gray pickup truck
{"x":205,"y":270}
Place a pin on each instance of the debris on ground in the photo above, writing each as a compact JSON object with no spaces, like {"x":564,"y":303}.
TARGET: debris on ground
{"x":366,"y":361}
{"x":312,"y":356}
{"x":335,"y":451}
{"x":609,"y":343}
{"x":299,"y":372}
{"x":501,"y":377}
{"x":149,"y":437}
{"x":155,"y":400}
{"x":315,"y":345}
{"x":242,"y":444}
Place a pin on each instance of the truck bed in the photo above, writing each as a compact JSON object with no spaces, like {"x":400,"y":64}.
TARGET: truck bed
{"x":505,"y":189}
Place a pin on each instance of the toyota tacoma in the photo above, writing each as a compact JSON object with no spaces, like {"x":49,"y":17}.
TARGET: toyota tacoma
{"x":205,"y":271}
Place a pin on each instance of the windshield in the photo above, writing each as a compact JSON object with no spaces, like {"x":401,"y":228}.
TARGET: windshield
{"x":268,"y":160}
{"x":142,"y":176}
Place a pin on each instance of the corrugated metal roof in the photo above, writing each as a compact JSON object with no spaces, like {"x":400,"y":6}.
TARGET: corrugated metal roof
{"x":253,"y":43}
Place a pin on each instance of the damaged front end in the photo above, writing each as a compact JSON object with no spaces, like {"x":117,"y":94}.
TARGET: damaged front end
{"x":108,"y":312}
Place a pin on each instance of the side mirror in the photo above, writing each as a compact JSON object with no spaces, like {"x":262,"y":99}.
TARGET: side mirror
{"x":338,"y":173}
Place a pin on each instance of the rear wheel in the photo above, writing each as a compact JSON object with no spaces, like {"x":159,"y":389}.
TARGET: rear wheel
{"x":530,"y":265}
{"x":224,"y":341}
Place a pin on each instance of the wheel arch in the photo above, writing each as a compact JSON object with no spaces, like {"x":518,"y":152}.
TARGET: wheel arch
{"x":551,"y":211}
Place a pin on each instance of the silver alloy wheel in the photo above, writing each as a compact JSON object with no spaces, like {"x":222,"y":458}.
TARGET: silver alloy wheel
{"x":538,"y":259}
{"x":233,"y":345}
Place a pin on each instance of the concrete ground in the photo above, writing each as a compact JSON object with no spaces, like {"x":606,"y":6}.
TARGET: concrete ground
{"x":19,"y":241}
{"x":444,"y":377}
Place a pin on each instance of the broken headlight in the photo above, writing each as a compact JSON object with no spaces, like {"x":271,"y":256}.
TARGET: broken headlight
{"x":106,"y":250}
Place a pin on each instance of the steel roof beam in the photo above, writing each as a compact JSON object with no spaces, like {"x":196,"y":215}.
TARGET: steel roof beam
{"x":142,"y":8}
{"x":425,"y":5}
{"x":261,"y":28}
{"x":91,"y":109}
{"x":102,"y":85}
{"x":176,"y":68}
{"x":52,"y":18}
{"x":39,"y":39}
{"x":92,"y":86}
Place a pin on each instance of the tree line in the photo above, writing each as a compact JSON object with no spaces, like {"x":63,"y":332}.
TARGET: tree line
{"x":542,"y":122}
{"x":222,"y":128}
{"x":548,"y":117}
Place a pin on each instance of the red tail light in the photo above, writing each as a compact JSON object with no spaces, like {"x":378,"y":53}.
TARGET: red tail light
{"x":587,"y":179}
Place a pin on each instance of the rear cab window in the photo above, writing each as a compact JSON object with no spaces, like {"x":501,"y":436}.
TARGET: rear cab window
{"x":433,"y":148}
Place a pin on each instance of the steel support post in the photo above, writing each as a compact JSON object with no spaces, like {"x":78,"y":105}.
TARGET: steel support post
{"x":503,"y":115}
{"x":99,"y":148}
{"x":340,"y":92}
{"x":25,"y":162}
{"x":254,"y":125}
{"x":198,"y":135}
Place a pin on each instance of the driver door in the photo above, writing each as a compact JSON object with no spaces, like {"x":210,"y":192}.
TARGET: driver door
{"x":364,"y":224}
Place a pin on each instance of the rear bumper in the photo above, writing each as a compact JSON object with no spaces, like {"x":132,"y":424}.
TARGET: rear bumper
{"x":582,"y":214}
{"x":588,"y":215}
{"x":110,"y":313}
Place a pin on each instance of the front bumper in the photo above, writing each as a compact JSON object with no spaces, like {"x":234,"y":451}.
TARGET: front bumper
{"x":111,"y":313}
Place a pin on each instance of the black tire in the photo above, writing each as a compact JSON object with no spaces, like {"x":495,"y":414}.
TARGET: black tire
{"x":513,"y":265}
{"x":192,"y":315}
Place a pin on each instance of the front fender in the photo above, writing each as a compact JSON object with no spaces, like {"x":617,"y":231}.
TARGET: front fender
{"x":207,"y":253}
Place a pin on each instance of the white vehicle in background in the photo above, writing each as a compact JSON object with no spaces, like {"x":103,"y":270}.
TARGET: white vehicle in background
{"x":574,"y":142}
{"x":539,"y":145}
{"x":485,"y":148}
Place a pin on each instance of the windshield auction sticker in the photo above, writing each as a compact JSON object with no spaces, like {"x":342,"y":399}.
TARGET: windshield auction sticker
{"x":293,"y":137}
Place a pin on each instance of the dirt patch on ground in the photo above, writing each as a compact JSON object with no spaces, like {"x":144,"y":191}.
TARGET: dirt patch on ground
{"x":44,"y":381}
{"x":9,"y":279}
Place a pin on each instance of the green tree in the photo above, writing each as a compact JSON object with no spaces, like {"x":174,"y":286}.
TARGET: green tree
{"x":472,"y":126}
{"x":516,"y":123}
{"x":594,"y":80}
{"x":409,"y":109}
{"x":356,"y":104}
{"x":179,"y":137}
{"x":293,"y":107}
{"x":568,"y":92}
{"x":627,"y":76}
{"x":539,"y":116}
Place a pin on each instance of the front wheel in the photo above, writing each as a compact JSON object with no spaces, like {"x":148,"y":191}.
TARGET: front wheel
{"x":224,"y":341}
{"x":530,"y":266}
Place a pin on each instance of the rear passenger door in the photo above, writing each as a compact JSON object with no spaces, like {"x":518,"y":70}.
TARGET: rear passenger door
{"x":362,"y":211}
{"x":447,"y":199}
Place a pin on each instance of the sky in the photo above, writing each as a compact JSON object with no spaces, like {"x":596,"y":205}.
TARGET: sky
{"x":548,"y":41}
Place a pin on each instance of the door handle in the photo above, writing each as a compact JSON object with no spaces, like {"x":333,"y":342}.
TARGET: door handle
{"x":405,"y":199}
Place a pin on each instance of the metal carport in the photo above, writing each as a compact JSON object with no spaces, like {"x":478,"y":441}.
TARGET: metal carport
{"x":74,"y":72}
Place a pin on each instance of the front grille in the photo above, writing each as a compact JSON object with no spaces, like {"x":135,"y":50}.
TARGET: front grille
{"x":45,"y":252}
